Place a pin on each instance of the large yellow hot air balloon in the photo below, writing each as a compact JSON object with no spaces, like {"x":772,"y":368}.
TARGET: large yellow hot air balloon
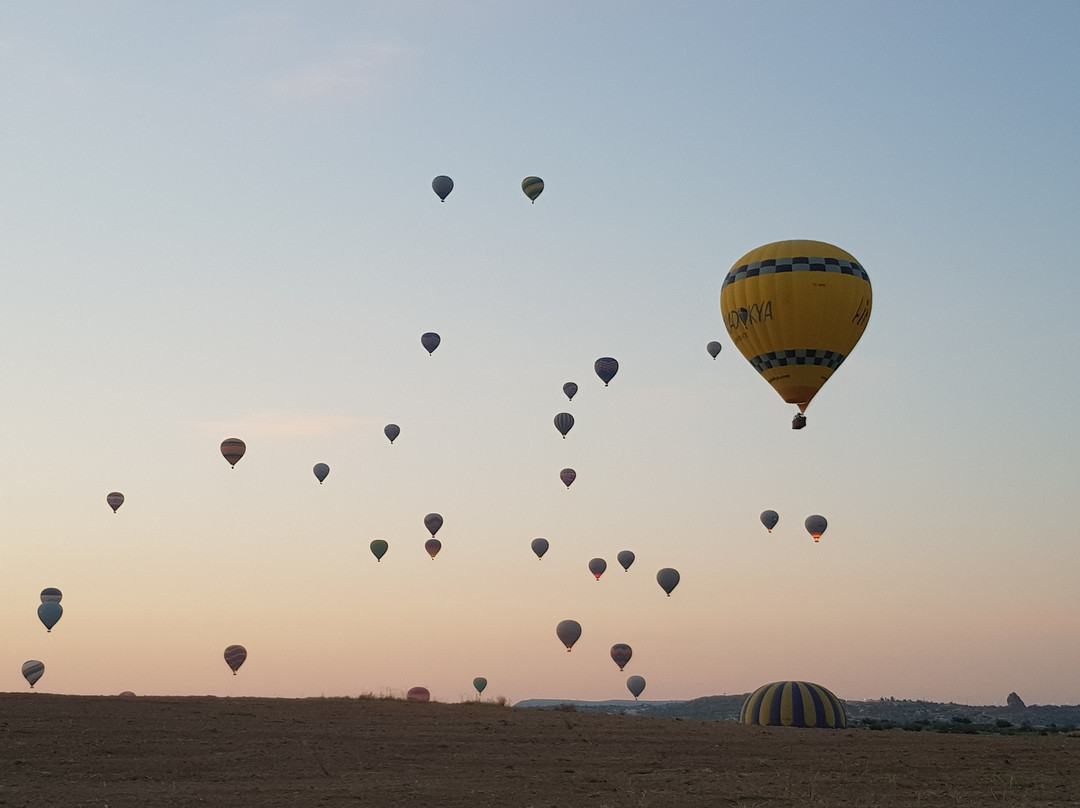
{"x":795,"y":309}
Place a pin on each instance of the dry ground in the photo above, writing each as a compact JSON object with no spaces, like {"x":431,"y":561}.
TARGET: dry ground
{"x":68,"y":751}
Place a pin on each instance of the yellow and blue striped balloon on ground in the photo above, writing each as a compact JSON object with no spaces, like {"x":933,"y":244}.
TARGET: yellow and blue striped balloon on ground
{"x":793,"y":704}
{"x":795,"y":310}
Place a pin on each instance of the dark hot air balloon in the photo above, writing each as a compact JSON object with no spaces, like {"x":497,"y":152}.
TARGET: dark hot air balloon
{"x":568,"y":632}
{"x":32,"y":670}
{"x":321,"y":471}
{"x":232,"y":449}
{"x":379,"y":548}
{"x":479,"y":683}
{"x":668,"y":579}
{"x":621,"y":653}
{"x":769,"y":519}
{"x":625,"y":559}
{"x":418,"y":694}
{"x":564,"y":422}
{"x":567,"y":476}
{"x":433,"y":522}
{"x":815,"y":526}
{"x":430,"y":341}
{"x":597,"y":567}
{"x":713,"y":348}
{"x":539,"y":546}
{"x":49,"y":613}
{"x":570,"y":389}
{"x":533,"y":187}
{"x":442,"y":186}
{"x":433,"y":546}
{"x":235,"y":656}
{"x":115,"y":500}
{"x":392,"y":431}
{"x":635,"y":684}
{"x":51,"y":594}
{"x":606,"y":368}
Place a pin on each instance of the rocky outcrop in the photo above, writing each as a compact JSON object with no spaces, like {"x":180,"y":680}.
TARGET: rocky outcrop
{"x":1015,"y":702}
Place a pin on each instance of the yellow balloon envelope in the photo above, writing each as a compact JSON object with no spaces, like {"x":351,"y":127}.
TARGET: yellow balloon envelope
{"x":795,"y":310}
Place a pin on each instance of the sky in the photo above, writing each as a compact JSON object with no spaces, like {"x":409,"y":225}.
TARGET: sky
{"x":216,"y":220}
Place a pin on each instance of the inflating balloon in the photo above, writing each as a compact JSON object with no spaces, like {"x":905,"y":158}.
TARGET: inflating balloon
{"x":668,"y":579}
{"x":539,"y":546}
{"x":635,"y":684}
{"x":815,"y":526}
{"x":32,"y":670}
{"x":597,"y":567}
{"x":795,"y":310}
{"x":321,"y":472}
{"x":769,"y":519}
{"x":392,"y":431}
{"x":533,"y":187}
{"x":625,"y":559}
{"x":621,"y":653}
{"x":567,"y":476}
{"x":713,"y":348}
{"x":433,"y":522}
{"x":49,"y":612}
{"x":418,"y":694}
{"x":232,"y":449}
{"x":115,"y":500}
{"x":433,"y":546}
{"x":235,"y":656}
{"x":568,"y":632}
{"x":793,"y":704}
{"x":442,"y":186}
{"x":606,"y":368}
{"x":379,"y":548}
{"x":570,"y":389}
{"x":430,"y":341}
{"x":564,"y":422}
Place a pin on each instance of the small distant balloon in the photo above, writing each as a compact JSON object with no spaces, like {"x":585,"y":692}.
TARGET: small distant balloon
{"x":235,"y":656}
{"x":32,"y":670}
{"x":570,"y":389}
{"x":232,"y":449}
{"x":568,"y":632}
{"x":815,"y":526}
{"x":533,"y":187}
{"x":392,"y":431}
{"x":567,"y":476}
{"x":418,"y":694}
{"x":540,"y":546}
{"x":379,"y":548}
{"x":51,"y":594}
{"x":635,"y":684}
{"x":115,"y":500}
{"x":668,"y":579}
{"x":321,"y":472}
{"x":597,"y":567}
{"x":564,"y":422}
{"x":433,"y":522}
{"x":49,"y":613}
{"x":479,"y":683}
{"x":621,"y":653}
{"x":430,"y":341}
{"x":713,"y":348}
{"x":769,"y":519}
{"x":433,"y":546}
{"x":606,"y":368}
{"x":625,"y":558}
{"x":442,"y":186}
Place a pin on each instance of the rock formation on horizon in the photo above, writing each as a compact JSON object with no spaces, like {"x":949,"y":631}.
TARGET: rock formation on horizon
{"x":1015,"y":702}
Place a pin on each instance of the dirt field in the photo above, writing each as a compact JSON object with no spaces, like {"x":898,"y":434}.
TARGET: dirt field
{"x":68,"y":751}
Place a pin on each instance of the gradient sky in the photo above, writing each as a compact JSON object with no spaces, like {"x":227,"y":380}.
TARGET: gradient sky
{"x":216,"y":220}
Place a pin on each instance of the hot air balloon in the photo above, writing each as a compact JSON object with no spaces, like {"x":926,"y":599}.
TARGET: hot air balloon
{"x":567,"y":476}
{"x":564,"y":422}
{"x":392,"y":431}
{"x":621,"y":653}
{"x":815,"y":526}
{"x":51,"y":594}
{"x":635,"y":684}
{"x":115,"y":500}
{"x":793,"y":704}
{"x":769,"y":519}
{"x":606,"y":368}
{"x":418,"y":694}
{"x":597,"y":567}
{"x":568,"y":632}
{"x":49,"y":612}
{"x":479,"y":683}
{"x":570,"y":389}
{"x":539,"y":546}
{"x":533,"y":187}
{"x":235,"y":656}
{"x":430,"y":341}
{"x":321,"y":471}
{"x":668,"y":579}
{"x":232,"y":449}
{"x":379,"y":548}
{"x":433,"y":522}
{"x":442,"y":186}
{"x":32,"y":670}
{"x":795,"y":310}
{"x":433,"y":546}
{"x":625,"y":558}
{"x":713,"y":348}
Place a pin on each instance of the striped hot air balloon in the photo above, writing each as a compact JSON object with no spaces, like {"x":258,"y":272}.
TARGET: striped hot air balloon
{"x":232,"y":449}
{"x":51,"y":594}
{"x":564,"y":422}
{"x":606,"y":368}
{"x":32,"y":670}
{"x":570,"y":389}
{"x":793,"y":704}
{"x":235,"y":656}
{"x":621,"y":653}
{"x":533,"y":187}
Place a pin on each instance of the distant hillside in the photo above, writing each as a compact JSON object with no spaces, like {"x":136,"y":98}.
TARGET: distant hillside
{"x":879,"y":711}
